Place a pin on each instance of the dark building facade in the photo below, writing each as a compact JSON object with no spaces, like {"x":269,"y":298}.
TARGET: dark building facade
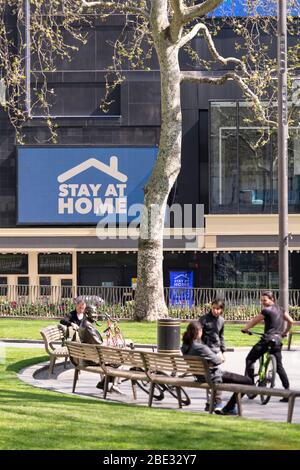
{"x":237,"y":187}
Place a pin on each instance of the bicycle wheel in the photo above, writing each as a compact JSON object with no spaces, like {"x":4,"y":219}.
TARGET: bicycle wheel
{"x":251,"y":396}
{"x":145,"y":386}
{"x":185,"y":399}
{"x":269,"y":380}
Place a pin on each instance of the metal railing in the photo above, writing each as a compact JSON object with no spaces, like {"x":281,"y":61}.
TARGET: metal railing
{"x":56,"y":301}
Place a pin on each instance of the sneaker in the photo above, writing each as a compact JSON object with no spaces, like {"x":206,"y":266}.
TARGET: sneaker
{"x":225,"y":411}
{"x":100,"y":385}
{"x":284,"y":400}
{"x":116,"y":389}
{"x":218,"y":407}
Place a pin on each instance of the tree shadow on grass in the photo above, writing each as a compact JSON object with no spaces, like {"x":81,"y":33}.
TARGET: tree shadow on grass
{"x":19,"y":365}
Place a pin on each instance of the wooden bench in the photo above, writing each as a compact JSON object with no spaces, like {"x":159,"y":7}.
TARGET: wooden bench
{"x":180,"y":372}
{"x":165,"y":369}
{"x":51,"y":335}
{"x":130,"y":365}
{"x":84,"y":357}
{"x":291,"y":333}
{"x":108,"y":362}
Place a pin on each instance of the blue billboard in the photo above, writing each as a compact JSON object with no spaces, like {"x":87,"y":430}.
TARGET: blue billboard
{"x":181,"y":288}
{"x":74,"y":185}
{"x":247,"y":8}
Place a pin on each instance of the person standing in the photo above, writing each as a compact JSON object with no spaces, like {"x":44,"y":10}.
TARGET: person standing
{"x":212,"y":325}
{"x":274,"y":318}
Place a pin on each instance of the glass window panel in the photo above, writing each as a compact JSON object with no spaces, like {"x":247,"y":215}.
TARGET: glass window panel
{"x":223,"y":158}
{"x":255,"y":173}
{"x":3,"y":286}
{"x":13,"y":264}
{"x":45,"y":285}
{"x":23,"y":286}
{"x":244,"y":176}
{"x":225,"y":269}
{"x":66,"y":288}
{"x":55,"y":263}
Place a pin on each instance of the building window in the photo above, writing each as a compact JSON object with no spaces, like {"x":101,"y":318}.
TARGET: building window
{"x":3,"y":286}
{"x":66,"y":288}
{"x":45,"y":285}
{"x":256,"y":270}
{"x":13,"y":264}
{"x":55,"y":263}
{"x":243,"y":176}
{"x":23,"y":286}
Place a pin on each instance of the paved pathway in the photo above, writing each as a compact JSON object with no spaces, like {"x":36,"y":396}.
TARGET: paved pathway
{"x":61,"y":381}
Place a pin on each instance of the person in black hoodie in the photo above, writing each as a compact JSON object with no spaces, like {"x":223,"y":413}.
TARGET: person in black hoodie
{"x":193,"y":346}
{"x":213,"y":336}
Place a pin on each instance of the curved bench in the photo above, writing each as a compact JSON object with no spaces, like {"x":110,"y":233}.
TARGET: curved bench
{"x":52,"y":335}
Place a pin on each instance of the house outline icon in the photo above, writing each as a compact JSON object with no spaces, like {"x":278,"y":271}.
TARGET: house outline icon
{"x":184,"y":276}
{"x":111,"y":169}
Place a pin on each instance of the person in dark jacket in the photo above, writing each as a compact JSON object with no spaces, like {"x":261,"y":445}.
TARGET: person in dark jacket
{"x":87,"y":332}
{"x":213,"y":328}
{"x":193,"y":346}
{"x":74,"y":318}
{"x":213,"y":336}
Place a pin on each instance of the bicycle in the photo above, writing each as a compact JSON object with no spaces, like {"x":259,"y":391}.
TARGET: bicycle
{"x":160,"y":389}
{"x":266,"y":371}
{"x":115,"y":338}
{"x":113,"y":334}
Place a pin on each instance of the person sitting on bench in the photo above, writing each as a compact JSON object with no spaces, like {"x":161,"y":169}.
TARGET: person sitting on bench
{"x":193,"y":346}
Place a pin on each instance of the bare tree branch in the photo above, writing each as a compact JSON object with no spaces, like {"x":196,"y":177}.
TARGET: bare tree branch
{"x":198,"y":77}
{"x":178,"y":7}
{"x":196,"y":11}
{"x":212,"y":48}
{"x":114,"y":5}
{"x":190,"y":35}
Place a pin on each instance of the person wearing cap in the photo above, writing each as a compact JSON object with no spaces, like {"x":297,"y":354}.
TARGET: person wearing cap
{"x":74,"y":318}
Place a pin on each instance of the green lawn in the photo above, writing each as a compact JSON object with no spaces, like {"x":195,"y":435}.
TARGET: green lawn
{"x":32,"y":418}
{"x":139,"y":332}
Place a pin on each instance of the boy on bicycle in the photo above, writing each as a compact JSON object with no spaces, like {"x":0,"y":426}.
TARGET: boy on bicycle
{"x":274,"y":318}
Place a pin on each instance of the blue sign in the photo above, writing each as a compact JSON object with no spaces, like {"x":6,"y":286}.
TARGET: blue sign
{"x":246,"y":8}
{"x":181,"y":288}
{"x":58,"y":185}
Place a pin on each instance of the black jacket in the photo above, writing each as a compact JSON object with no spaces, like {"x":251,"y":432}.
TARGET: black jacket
{"x":71,"y":318}
{"x":197,"y":348}
{"x":213,"y":332}
{"x":89,"y":334}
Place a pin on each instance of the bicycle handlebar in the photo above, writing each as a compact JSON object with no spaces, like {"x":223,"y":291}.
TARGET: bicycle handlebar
{"x":252,"y":333}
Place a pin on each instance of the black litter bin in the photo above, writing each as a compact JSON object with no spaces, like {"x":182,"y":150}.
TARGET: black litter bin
{"x":168,"y":336}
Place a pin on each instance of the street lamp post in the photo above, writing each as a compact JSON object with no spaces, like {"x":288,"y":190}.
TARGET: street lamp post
{"x":283,"y":156}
